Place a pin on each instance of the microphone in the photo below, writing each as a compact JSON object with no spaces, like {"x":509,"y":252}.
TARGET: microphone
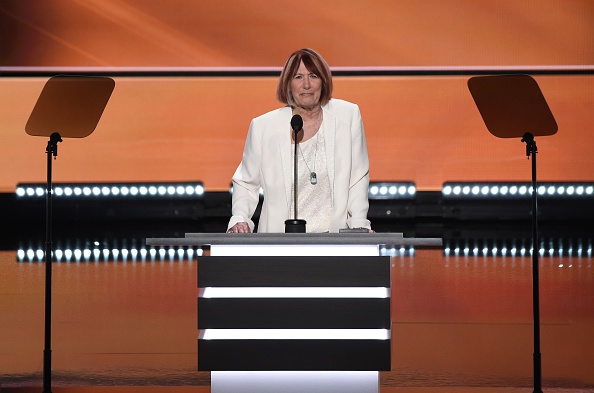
{"x":295,"y":225}
{"x":296,"y":123}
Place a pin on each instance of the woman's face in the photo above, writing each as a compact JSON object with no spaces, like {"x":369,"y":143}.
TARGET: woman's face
{"x":306,"y":88}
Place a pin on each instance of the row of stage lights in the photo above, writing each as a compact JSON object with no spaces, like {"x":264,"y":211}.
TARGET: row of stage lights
{"x":114,"y":190}
{"x":189,"y":253}
{"x":144,"y":254}
{"x":511,"y":190}
{"x":552,"y":248}
{"x":384,"y":190}
{"x":585,"y":252}
{"x":387,"y":190}
{"x":377,"y":190}
{"x":113,"y":254}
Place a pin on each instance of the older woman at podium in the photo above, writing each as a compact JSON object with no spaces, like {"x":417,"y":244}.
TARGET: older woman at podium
{"x":333,"y":166}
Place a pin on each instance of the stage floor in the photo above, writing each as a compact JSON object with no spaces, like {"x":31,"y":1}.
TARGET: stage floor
{"x":459,"y":324}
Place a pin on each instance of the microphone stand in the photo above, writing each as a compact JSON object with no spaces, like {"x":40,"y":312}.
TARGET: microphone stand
{"x":295,"y":160}
{"x":295,"y":225}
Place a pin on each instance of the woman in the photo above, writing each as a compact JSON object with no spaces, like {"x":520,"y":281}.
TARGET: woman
{"x":333,"y":167}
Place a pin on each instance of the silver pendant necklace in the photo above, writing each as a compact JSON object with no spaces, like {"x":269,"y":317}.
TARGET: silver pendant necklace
{"x":313,"y":177}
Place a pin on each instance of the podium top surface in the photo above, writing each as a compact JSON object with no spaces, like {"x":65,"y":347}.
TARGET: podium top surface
{"x":209,"y":239}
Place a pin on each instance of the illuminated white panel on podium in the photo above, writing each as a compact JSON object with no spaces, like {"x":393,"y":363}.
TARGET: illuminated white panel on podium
{"x":309,"y":250}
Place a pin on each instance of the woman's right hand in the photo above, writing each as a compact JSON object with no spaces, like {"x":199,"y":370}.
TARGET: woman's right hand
{"x":240,"y":227}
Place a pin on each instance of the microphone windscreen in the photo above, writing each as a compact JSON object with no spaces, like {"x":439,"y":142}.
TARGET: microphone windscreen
{"x":296,"y":123}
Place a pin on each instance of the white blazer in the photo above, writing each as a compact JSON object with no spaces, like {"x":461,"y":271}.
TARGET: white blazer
{"x":267,"y":162}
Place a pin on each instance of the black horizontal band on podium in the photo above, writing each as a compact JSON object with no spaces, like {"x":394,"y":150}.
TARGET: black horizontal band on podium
{"x":294,"y":271}
{"x":299,"y":313}
{"x":243,"y":354}
{"x":294,"y":355}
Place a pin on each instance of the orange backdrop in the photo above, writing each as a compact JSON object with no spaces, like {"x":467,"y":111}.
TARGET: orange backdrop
{"x":420,"y":128}
{"x":424,"y":129}
{"x":261,"y":33}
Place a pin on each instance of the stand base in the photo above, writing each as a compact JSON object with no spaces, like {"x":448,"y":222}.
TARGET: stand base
{"x":294,"y":226}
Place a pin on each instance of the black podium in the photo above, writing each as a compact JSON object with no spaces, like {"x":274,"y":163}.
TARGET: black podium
{"x":294,"y":312}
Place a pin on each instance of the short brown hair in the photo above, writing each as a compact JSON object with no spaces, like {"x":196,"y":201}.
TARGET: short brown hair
{"x":314,"y":63}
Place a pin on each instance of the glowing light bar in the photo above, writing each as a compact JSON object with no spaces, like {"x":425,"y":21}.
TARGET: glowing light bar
{"x":401,"y":251}
{"x":518,"y":248}
{"x":515,"y":190}
{"x":295,"y":334}
{"x":392,"y":190}
{"x":295,"y":292}
{"x":113,"y":189}
{"x":110,"y":254}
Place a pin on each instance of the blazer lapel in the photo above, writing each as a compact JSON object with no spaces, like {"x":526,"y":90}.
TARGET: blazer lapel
{"x":329,"y":128}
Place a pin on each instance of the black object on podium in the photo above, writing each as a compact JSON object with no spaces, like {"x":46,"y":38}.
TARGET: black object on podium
{"x":513,"y":106}
{"x":70,"y":107}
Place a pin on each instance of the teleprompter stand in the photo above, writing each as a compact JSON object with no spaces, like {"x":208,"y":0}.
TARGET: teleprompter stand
{"x":70,"y":107}
{"x":512,"y":106}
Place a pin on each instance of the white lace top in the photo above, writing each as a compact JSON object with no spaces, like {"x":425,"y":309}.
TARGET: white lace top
{"x":314,"y":200}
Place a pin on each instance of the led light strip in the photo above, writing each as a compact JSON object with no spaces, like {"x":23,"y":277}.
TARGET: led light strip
{"x":106,"y":190}
{"x":579,"y":251}
{"x":294,"y":334}
{"x":396,"y":252}
{"x":124,"y":254}
{"x":295,"y":292}
{"x":392,"y":190}
{"x":516,"y":189}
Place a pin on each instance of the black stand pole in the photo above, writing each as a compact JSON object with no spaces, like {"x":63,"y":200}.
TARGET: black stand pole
{"x":295,"y":225}
{"x":52,"y":151}
{"x":295,"y":161}
{"x":531,"y":150}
